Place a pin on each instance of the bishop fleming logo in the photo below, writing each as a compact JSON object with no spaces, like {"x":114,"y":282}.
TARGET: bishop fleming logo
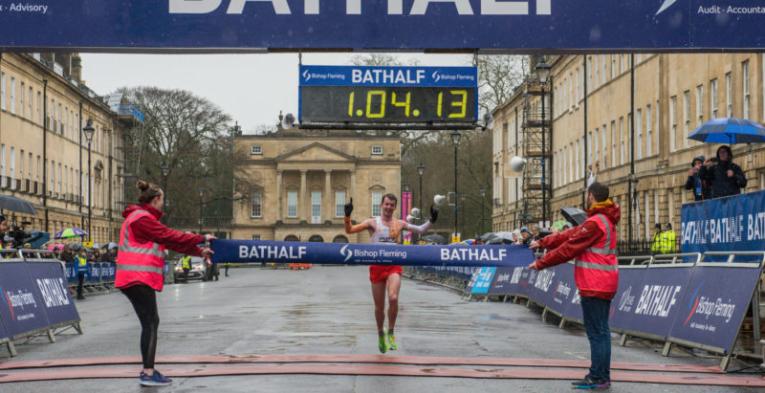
{"x":306,"y":75}
{"x":666,"y":4}
{"x":346,"y":253}
{"x":436,"y":76}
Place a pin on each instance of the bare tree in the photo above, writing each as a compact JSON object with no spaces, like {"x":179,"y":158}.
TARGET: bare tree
{"x":498,"y":76}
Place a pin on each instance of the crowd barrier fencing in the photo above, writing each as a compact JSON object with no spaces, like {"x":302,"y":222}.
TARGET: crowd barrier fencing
{"x":37,"y":301}
{"x":689,"y":299}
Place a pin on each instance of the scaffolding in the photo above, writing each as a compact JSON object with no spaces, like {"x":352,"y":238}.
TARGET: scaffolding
{"x":536,"y":146}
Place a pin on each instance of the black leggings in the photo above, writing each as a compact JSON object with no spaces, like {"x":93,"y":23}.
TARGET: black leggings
{"x":144,"y":301}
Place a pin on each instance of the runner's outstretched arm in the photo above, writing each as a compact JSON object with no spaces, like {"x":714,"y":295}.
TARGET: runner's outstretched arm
{"x":420,"y":229}
{"x":349,"y":227}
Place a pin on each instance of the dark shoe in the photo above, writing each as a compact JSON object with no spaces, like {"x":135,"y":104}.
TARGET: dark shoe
{"x":156,"y":379}
{"x":591,"y":384}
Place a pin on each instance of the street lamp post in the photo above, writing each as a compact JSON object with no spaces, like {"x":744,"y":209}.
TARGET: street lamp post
{"x":201,"y":207}
{"x":482,"y":191}
{"x":89,"y":130}
{"x":420,"y":172}
{"x":543,"y":72}
{"x":165,"y":170}
{"x":456,"y":141}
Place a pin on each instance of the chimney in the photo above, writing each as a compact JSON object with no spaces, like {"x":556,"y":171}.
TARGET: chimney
{"x":76,"y":68}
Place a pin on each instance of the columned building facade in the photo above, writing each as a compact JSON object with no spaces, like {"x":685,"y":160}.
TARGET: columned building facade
{"x":291,"y":185}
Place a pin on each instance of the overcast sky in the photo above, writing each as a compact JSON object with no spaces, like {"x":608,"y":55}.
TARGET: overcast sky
{"x":250,"y":88}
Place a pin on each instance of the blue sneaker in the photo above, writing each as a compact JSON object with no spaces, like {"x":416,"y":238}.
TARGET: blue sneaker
{"x":590,"y":384}
{"x":156,"y":379}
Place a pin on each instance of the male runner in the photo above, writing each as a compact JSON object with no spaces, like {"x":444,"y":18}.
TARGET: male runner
{"x":386,"y":278}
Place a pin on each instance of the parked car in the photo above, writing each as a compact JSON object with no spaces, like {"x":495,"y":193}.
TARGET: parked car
{"x":197,"y":271}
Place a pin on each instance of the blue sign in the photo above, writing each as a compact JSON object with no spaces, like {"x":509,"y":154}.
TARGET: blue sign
{"x":735,"y":223}
{"x":318,"y":75}
{"x":631,"y":280}
{"x":22,"y":308}
{"x":715,"y":304}
{"x":50,"y":285}
{"x":256,"y":251}
{"x":503,"y":281}
{"x":481,"y":281}
{"x":563,"y":288}
{"x":204,"y":25}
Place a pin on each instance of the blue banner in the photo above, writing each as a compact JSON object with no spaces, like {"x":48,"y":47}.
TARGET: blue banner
{"x":317,"y":75}
{"x":204,"y":25}
{"x":256,"y":251}
{"x":735,"y":223}
{"x":481,"y":281}
{"x":631,"y":279}
{"x":50,"y":285}
{"x":503,"y":281}
{"x":22,"y":308}
{"x":715,"y":304}
{"x":563,"y":289}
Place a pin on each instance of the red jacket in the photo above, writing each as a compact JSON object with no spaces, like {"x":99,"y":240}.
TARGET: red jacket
{"x":567,"y":245}
{"x":145,"y":229}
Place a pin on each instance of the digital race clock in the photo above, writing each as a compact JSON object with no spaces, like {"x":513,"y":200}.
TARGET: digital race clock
{"x":393,"y":95}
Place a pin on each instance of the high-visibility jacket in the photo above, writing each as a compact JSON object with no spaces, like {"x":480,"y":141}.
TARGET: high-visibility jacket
{"x":82,"y":264}
{"x":596,"y":269}
{"x":186,"y":263}
{"x":139,"y":263}
{"x":668,"y":239}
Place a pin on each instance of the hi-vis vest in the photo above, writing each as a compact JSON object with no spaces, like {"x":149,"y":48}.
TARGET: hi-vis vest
{"x":186,"y":262}
{"x":597,"y":268}
{"x":139,"y":262}
{"x":82,"y":262}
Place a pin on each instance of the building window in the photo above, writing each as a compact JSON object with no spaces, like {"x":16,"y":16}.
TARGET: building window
{"x":255,"y":237}
{"x":315,"y":207}
{"x":22,"y":107}
{"x":646,"y":199}
{"x":12,"y":163}
{"x":292,"y":201}
{"x":613,"y":142}
{"x":603,"y":145}
{"x":713,"y":98}
{"x":728,"y":95}
{"x":577,"y":171}
{"x":613,"y":66}
{"x":686,"y":116}
{"x":648,"y":131}
{"x":39,"y":108}
{"x":256,"y":150}
{"x":339,"y":203}
{"x":60,"y":175}
{"x":257,"y":205}
{"x":672,"y":123}
{"x":376,"y":201}
{"x":699,"y":105}
{"x":377,"y":150}
{"x":745,"y":87}
{"x":639,"y":141}
{"x":13,"y":95}
{"x":21,"y":164}
{"x":29,"y":101}
{"x":623,"y":150}
{"x":2,"y":90}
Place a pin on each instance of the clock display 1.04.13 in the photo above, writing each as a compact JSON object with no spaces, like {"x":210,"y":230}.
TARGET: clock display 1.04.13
{"x":339,"y":104}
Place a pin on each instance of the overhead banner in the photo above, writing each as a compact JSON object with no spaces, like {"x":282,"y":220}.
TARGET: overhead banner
{"x":735,"y":223}
{"x":256,"y":251}
{"x":208,"y":25}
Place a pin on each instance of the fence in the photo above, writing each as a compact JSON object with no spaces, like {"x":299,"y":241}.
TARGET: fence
{"x":38,"y":301}
{"x":691,"y":299}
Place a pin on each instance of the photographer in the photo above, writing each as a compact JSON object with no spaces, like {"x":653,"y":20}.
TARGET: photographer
{"x":724,"y":177}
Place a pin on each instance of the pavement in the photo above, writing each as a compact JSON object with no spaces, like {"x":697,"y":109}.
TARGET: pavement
{"x":328,"y":310}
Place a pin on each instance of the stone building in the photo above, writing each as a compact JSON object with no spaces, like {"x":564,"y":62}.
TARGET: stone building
{"x":49,"y":169}
{"x":292,"y":184}
{"x":673,"y":94}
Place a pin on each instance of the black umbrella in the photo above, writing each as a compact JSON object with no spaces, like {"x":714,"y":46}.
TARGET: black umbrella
{"x":15,"y":204}
{"x":435,"y":239}
{"x":574,"y":215}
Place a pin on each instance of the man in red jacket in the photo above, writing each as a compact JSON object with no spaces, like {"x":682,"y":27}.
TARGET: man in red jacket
{"x":592,"y":246}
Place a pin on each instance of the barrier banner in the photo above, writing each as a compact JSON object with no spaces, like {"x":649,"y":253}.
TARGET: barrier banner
{"x":732,"y":223}
{"x":631,"y":279}
{"x":22,"y":308}
{"x":657,"y":300}
{"x":50,"y":285}
{"x":481,"y":280}
{"x":562,"y":289}
{"x":540,"y":283}
{"x":503,"y":281}
{"x":256,"y":251}
{"x":713,"y":308}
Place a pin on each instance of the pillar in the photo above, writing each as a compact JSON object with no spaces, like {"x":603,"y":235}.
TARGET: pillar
{"x":327,"y":195}
{"x":302,"y":211}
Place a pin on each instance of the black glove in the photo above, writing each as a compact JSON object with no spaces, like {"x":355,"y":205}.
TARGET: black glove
{"x":348,"y":208}
{"x":433,"y":214}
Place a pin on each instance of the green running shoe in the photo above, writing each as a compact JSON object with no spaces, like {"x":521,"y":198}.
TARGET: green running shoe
{"x":392,"y":342}
{"x":382,"y":343}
